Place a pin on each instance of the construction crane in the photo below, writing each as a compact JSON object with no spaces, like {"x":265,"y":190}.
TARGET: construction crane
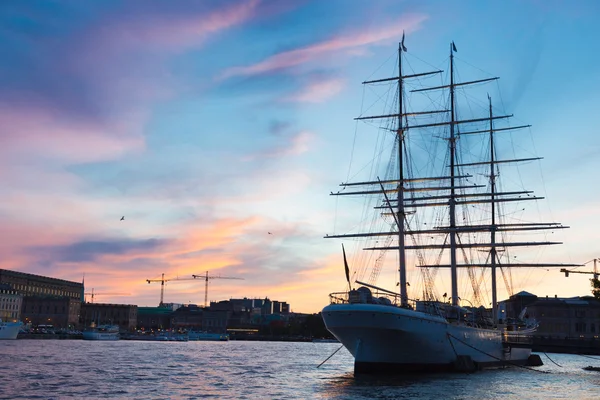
{"x":162,"y":281}
{"x":92,"y":294}
{"x":206,"y":277}
{"x":595,"y":272}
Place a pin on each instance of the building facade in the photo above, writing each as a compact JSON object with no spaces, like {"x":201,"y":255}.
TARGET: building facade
{"x":10,"y":304}
{"x":35,"y":285}
{"x":60,"y":312}
{"x":124,"y":315}
{"x":154,"y":318}
{"x":46,"y":301}
{"x":192,"y":317}
{"x":558,"y":317}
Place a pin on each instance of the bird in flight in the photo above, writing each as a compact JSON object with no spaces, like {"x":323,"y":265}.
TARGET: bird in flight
{"x":123,"y":218}
{"x":269,"y":233}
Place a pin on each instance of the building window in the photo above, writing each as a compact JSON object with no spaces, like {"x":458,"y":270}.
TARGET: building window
{"x":580,"y":327}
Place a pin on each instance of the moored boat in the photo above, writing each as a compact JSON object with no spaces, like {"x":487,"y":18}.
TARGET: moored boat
{"x":9,"y":330}
{"x":102,"y":332}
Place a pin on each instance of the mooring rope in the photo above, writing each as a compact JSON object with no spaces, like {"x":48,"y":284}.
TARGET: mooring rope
{"x":555,"y":363}
{"x":494,"y":357}
{"x":330,"y":356}
{"x":452,"y":344}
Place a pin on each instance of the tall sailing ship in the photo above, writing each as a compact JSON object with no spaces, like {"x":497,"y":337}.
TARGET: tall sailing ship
{"x":425,"y":203}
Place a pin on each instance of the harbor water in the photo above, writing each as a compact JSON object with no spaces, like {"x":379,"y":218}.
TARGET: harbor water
{"x":76,"y":369}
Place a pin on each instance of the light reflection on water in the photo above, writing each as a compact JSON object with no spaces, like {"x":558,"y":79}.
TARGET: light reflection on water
{"x":76,"y":369}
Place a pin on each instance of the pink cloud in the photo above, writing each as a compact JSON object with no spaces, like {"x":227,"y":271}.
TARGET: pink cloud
{"x":347,"y":42}
{"x":317,"y":92}
{"x":170,"y":30}
{"x":121,"y":60}
{"x":299,"y":143}
{"x":37,"y":134}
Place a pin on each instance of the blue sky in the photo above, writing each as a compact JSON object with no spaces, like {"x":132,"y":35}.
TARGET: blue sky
{"x":209,"y":124}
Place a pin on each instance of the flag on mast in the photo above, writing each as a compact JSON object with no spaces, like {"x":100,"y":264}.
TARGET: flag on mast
{"x":454,"y":47}
{"x":346,"y":266}
{"x":402,"y":43}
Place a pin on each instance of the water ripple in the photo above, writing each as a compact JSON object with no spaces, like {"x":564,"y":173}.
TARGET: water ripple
{"x":63,"y":369}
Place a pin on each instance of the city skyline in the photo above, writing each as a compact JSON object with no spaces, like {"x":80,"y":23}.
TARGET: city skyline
{"x":217,"y":129}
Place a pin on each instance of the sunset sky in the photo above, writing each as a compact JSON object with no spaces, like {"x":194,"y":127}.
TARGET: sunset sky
{"x":219,"y":128}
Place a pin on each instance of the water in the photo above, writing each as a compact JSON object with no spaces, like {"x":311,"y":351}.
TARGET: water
{"x":76,"y":369}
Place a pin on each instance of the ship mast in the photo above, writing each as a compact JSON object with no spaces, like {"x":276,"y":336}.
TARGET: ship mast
{"x":441,"y":191}
{"x":493,"y":222}
{"x":452,"y":199}
{"x":400,"y":205}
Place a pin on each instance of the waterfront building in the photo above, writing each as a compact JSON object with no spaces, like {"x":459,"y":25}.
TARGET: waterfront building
{"x":215,"y":321}
{"x":558,"y":317}
{"x":192,"y":317}
{"x":124,"y":315}
{"x":154,"y":318}
{"x":37,"y":285}
{"x":248,"y":313}
{"x":61,"y":312}
{"x":10,"y":304}
{"x":46,"y":301}
{"x":187,"y":317}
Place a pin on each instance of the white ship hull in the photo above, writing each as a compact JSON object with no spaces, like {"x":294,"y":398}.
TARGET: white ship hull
{"x":103,"y":332}
{"x":388,"y":338}
{"x":9,"y":330}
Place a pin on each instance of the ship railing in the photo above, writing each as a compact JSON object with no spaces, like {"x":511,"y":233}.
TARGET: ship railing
{"x":339,"y":298}
{"x":377,"y":297}
{"x":519,"y":338}
{"x":374,"y":297}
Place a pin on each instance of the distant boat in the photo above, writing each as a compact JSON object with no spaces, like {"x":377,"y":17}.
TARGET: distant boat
{"x":438,"y":206}
{"x":223,"y":337}
{"x":9,"y":330}
{"x":102,"y":332}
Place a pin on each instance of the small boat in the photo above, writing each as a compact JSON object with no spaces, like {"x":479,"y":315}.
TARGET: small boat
{"x":222,"y":337}
{"x":590,"y":368}
{"x":102,"y":332}
{"x":9,"y":330}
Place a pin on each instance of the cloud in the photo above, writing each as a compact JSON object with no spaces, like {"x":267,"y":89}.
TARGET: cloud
{"x":317,"y":91}
{"x":297,"y":144}
{"x":103,"y":63}
{"x":45,"y":135}
{"x":94,"y":250}
{"x":173,"y":28}
{"x":346,"y":42}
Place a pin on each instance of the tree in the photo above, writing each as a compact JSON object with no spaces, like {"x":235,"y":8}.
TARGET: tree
{"x":595,"y":286}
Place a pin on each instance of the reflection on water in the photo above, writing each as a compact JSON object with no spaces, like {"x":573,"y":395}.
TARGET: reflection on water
{"x":569,"y":381}
{"x":61,"y":369}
